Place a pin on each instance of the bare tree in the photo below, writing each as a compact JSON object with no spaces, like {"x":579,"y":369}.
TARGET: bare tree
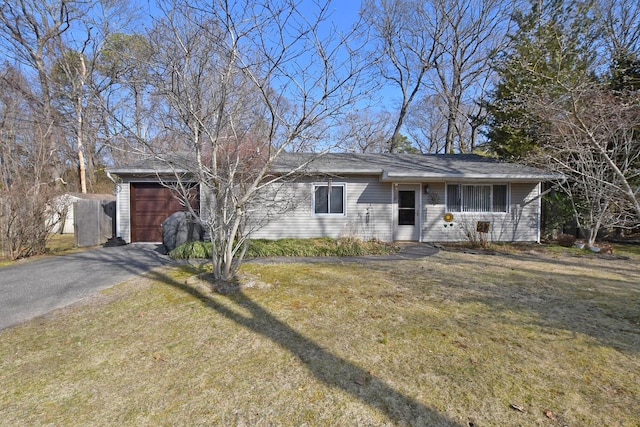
{"x":592,"y":138}
{"x":29,"y":30}
{"x":70,"y":76}
{"x":407,"y":35}
{"x":25,"y":193}
{"x":31,"y":135}
{"x":439,"y":50}
{"x":472,"y":34}
{"x":240,"y":84}
{"x":125,"y":61}
{"x":365,"y":132}
{"x":427,"y":124}
{"x":82,"y":81}
{"x":620,"y":22}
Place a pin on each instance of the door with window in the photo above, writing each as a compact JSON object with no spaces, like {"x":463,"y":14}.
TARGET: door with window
{"x":407,"y":218}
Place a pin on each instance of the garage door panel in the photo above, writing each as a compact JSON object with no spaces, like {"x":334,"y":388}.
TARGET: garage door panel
{"x":151,"y":204}
{"x":150,"y":220}
{"x":149,"y":192}
{"x":143,"y":206}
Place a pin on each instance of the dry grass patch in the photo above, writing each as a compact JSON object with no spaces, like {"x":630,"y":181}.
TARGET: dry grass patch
{"x":57,"y":244}
{"x":454,"y":339}
{"x":62,"y":244}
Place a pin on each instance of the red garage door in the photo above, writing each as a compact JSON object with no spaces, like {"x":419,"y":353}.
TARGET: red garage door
{"x":151,"y":204}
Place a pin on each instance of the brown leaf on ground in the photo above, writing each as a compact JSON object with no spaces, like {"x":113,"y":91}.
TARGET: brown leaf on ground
{"x":550,"y":415}
{"x":518,"y":408}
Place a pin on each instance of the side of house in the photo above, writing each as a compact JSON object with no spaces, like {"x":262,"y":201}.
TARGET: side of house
{"x":364,"y":207}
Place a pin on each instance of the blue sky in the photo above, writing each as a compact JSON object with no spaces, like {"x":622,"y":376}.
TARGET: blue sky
{"x":343,"y":12}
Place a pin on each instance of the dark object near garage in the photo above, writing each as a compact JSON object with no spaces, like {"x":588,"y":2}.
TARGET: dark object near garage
{"x":180,"y":228}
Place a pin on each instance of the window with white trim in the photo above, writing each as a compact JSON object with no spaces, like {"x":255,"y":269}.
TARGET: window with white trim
{"x":329,"y":199}
{"x":477,"y":198}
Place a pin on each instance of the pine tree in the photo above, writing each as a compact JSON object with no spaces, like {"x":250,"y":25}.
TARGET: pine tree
{"x":550,"y":51}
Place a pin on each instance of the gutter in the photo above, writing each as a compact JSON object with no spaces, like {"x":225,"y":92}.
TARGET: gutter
{"x":429,"y":177}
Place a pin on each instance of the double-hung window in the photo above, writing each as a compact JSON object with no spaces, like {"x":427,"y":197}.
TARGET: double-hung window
{"x":477,"y":198}
{"x":329,"y":199}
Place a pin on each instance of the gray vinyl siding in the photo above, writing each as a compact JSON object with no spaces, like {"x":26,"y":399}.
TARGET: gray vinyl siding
{"x":520,"y":224}
{"x":433,"y":205}
{"x":368,"y":212}
{"x":525,"y":212}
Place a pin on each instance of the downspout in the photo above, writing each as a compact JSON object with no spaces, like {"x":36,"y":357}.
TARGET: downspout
{"x":420,"y":214}
{"x":539,"y":212}
{"x":118,"y":233}
{"x":394,"y":189}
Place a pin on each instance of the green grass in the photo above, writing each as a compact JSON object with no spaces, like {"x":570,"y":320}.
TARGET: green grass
{"x":626,"y":249}
{"x":449,"y":340}
{"x":61,"y":244}
{"x":320,"y":247}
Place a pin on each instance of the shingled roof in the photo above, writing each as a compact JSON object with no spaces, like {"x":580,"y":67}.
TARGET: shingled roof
{"x":156,"y":165}
{"x":389,"y":167}
{"x":406,"y":167}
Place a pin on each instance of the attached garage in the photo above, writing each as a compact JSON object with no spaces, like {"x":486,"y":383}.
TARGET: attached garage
{"x":143,"y":202}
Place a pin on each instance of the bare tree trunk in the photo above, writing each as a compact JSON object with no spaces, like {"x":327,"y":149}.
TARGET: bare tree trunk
{"x":407,"y":101}
{"x":79,"y":118}
{"x":451,"y":130}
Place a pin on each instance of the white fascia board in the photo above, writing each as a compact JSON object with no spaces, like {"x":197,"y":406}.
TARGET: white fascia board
{"x":430,"y":177}
{"x":146,"y":173}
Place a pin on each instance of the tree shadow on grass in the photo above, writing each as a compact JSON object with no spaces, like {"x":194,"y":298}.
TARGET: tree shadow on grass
{"x":332,"y":370}
{"x":604,"y":309}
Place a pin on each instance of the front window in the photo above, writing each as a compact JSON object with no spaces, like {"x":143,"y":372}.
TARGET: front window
{"x":477,"y":198}
{"x":329,"y":198}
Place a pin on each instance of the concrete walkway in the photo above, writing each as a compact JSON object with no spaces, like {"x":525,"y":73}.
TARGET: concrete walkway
{"x":34,"y":288}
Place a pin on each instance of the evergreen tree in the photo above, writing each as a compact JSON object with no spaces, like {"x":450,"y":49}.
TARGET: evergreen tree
{"x":625,"y":72}
{"x":551,"y":50}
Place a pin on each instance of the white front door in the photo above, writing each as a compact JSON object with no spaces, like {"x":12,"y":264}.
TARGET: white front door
{"x":407,"y":215}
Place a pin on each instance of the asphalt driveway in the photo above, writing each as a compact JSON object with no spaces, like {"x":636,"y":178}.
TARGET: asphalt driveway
{"x":34,"y":288}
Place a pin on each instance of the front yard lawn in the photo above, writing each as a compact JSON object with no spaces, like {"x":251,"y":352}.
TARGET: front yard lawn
{"x":456,"y":339}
